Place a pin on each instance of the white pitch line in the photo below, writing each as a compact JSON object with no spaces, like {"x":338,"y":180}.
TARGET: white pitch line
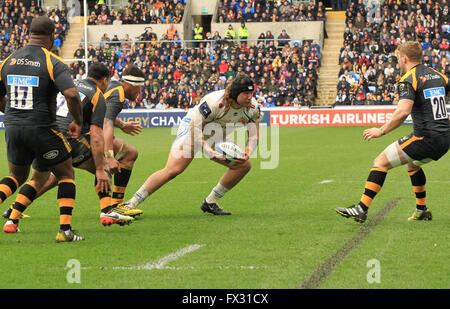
{"x":326,"y":181}
{"x":161,"y":263}
{"x":171,"y":257}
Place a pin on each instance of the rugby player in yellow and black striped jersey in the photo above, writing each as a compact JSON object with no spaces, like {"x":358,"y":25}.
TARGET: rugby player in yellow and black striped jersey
{"x":31,"y":78}
{"x":120,"y":155}
{"x":422,"y":94}
{"x":88,"y":148}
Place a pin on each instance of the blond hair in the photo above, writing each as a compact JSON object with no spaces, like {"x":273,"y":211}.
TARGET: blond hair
{"x":412,"y":50}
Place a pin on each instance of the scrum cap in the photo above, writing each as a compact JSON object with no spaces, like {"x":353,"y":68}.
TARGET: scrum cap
{"x":240,"y":84}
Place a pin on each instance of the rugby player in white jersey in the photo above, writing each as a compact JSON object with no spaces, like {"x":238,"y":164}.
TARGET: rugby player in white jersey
{"x":210,"y":122}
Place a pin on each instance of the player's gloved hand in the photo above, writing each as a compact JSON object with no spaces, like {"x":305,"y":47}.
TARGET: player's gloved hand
{"x":103,"y":181}
{"x":74,"y":130}
{"x":131,"y":127}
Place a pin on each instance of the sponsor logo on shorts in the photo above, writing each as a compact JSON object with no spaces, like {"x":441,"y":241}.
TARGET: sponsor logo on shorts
{"x":51,"y":154}
{"x":77,"y":159}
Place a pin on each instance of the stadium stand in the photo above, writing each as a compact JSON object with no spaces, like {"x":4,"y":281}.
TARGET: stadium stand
{"x":285,"y":70}
{"x":139,"y":12}
{"x":268,"y":11}
{"x":15,"y":20}
{"x":369,"y":68}
{"x":284,"y":67}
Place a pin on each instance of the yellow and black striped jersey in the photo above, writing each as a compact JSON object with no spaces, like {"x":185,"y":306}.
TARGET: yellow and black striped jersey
{"x":428,"y":89}
{"x":31,"y":78}
{"x":115,"y":98}
{"x":93,"y":104}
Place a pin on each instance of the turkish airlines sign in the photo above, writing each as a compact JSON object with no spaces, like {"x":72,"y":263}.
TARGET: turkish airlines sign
{"x":330,"y":117}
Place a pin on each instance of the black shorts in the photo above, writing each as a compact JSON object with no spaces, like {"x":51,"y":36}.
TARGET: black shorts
{"x":425,"y":147}
{"x":45,"y":145}
{"x":81,"y":149}
{"x":81,"y":152}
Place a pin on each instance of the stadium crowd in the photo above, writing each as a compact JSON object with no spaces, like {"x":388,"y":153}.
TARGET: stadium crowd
{"x":369,"y":66}
{"x":285,"y":71}
{"x":139,"y":12}
{"x":269,"y":11}
{"x":15,"y":20}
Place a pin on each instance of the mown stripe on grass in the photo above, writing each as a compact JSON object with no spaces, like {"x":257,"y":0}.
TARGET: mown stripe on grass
{"x":325,"y":269}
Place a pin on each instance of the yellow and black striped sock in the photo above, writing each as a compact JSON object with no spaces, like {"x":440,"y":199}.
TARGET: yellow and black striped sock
{"x":105,"y":199}
{"x":120,"y":184}
{"x":8,"y":186}
{"x":373,"y":185}
{"x":418,"y":181}
{"x":66,"y":201}
{"x":25,"y":197}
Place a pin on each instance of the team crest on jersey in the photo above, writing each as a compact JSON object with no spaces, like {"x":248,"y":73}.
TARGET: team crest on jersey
{"x":204,"y":109}
{"x":403,"y":90}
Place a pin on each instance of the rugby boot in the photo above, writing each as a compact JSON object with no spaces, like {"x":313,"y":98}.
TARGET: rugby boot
{"x":11,"y":227}
{"x":214,"y":209}
{"x":112,"y":217}
{"x":424,"y":215}
{"x":68,"y":236}
{"x":355,"y":212}
{"x":125,"y":210}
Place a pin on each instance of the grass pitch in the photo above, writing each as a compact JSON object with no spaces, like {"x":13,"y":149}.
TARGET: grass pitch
{"x":282,"y":231}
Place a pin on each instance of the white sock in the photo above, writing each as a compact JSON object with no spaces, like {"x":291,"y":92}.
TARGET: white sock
{"x":138,"y":197}
{"x":217,"y":192}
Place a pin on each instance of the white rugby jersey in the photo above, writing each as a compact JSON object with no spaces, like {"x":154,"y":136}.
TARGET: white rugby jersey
{"x":212,"y":110}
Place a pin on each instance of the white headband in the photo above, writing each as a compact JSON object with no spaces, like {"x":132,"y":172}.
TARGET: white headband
{"x":133,"y":80}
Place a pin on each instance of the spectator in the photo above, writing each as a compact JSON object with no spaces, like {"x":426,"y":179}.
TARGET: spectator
{"x":283,"y":39}
{"x":230,"y":34}
{"x":161,"y":104}
{"x":243,"y":34}
{"x":171,"y":32}
{"x":343,"y":85}
{"x":198,"y":34}
{"x":341,"y":98}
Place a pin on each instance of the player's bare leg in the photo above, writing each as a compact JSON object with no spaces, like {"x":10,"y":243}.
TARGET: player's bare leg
{"x":8,"y":185}
{"x":24,"y":198}
{"x":228,"y":180}
{"x":175,"y":165}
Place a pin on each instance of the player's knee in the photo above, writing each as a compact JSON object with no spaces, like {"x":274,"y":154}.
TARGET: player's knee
{"x":247,"y":166}
{"x":382,"y":162}
{"x":173,"y":172}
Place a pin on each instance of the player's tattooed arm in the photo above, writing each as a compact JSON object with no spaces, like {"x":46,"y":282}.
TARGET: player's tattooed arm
{"x":128,"y":127}
{"x":97,"y":146}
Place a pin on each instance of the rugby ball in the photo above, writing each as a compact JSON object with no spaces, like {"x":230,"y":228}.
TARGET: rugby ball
{"x":230,"y":150}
